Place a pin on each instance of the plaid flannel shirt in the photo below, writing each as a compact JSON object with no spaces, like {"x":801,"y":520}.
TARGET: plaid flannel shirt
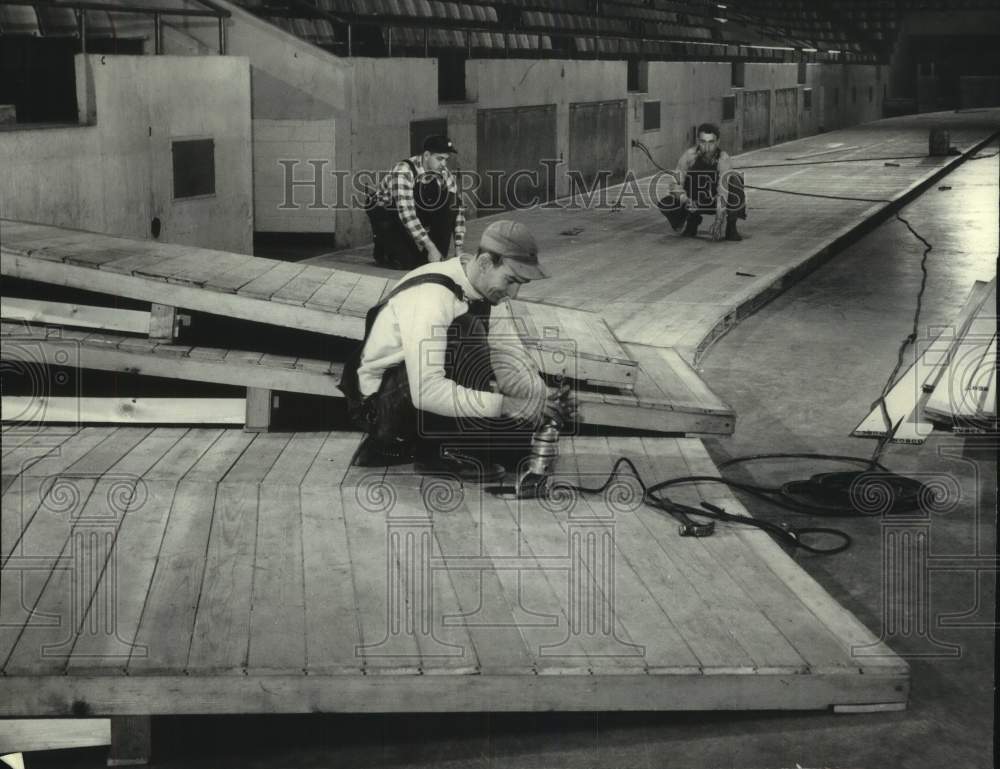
{"x":396,"y":189}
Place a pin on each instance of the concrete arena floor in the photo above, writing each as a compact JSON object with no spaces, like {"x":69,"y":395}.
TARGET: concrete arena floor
{"x":800,"y":374}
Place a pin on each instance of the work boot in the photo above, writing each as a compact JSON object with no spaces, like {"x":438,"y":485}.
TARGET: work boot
{"x":691,"y":227}
{"x":451,"y":463}
{"x":731,"y":233}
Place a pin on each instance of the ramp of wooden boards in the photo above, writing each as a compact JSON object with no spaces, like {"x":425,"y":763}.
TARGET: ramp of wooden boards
{"x":260,"y":573}
{"x":289,"y":294}
{"x":670,"y":399}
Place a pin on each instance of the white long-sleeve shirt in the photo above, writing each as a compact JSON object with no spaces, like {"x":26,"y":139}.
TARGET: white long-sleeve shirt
{"x":412,"y":329}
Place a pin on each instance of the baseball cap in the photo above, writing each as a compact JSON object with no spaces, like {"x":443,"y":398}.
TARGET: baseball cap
{"x":438,"y":143}
{"x":515,"y":243}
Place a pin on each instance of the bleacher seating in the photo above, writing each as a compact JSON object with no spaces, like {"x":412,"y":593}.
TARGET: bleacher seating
{"x":19,"y":21}
{"x":51,"y":21}
{"x":684,"y":29}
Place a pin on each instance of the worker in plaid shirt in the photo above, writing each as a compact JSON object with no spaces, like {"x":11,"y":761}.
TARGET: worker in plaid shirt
{"x":417,"y":208}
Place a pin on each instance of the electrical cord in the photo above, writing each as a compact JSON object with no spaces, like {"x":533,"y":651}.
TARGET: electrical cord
{"x":823,"y":493}
{"x":789,"y":535}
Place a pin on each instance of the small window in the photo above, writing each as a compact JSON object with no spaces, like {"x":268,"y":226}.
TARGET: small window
{"x":802,"y":73}
{"x":807,"y":98}
{"x":728,"y":107}
{"x":651,"y":116}
{"x":194,"y":167}
{"x":451,"y":77}
{"x":738,"y":76}
{"x":638,"y":75}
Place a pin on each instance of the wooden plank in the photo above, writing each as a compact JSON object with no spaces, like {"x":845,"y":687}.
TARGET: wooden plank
{"x":163,"y":321}
{"x":127,"y":265}
{"x":522,"y":591}
{"x":494,"y":619}
{"x":939,"y":351}
{"x":298,"y":455}
{"x":168,"y":616}
{"x":985,"y":369}
{"x":190,"y":297}
{"x":568,"y":590}
{"x":332,"y":631}
{"x":899,"y":402}
{"x":598,"y":410}
{"x":258,"y":410}
{"x":277,"y":616}
{"x":79,"y":315}
{"x":670,"y":571}
{"x":88,"y":410}
{"x":36,"y":444}
{"x":140,"y":356}
{"x":239,"y":275}
{"x":867,"y":652}
{"x":367,"y":503}
{"x":364,"y":295}
{"x":732,"y":602}
{"x":950,"y":393}
{"x":221,"y":635}
{"x":571,"y":342}
{"x":428,"y":594}
{"x":100,"y":487}
{"x":100,"y":252}
{"x":163,"y":637}
{"x":664,"y":370}
{"x":257,"y":459}
{"x":263,"y":286}
{"x":38,"y":492}
{"x":32,"y":734}
{"x":300,"y":288}
{"x":646,"y":586}
{"x":216,"y":461}
{"x":188,"y":265}
{"x":337,"y":287}
{"x":417,"y":694}
{"x":121,"y":593}
{"x":183,"y":455}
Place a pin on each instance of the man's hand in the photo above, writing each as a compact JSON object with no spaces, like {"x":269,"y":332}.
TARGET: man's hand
{"x":683,"y":198}
{"x":558,"y":404}
{"x":433,"y":255}
{"x":719,"y":225}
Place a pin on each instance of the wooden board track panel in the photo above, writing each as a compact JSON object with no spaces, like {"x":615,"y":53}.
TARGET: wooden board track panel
{"x":951,"y":396}
{"x":669,"y":398}
{"x":109,"y":352}
{"x":248,"y":565}
{"x":183,"y":276}
{"x":571,"y":342}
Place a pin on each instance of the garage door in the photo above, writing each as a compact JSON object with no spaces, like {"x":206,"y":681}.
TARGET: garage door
{"x":512,"y":145}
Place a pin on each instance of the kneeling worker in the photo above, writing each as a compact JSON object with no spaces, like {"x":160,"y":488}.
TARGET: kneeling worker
{"x":417,"y":208}
{"x":705,"y":183}
{"x":420,"y":386}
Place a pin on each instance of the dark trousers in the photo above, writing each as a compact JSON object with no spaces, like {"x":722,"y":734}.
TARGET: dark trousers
{"x":393,"y":246}
{"x":699,"y":203}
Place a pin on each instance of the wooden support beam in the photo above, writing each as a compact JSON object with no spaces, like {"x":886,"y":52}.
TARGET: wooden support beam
{"x":92,"y":410}
{"x":78,"y":315}
{"x":258,"y":411}
{"x":130,"y":741}
{"x":164,"y":322}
